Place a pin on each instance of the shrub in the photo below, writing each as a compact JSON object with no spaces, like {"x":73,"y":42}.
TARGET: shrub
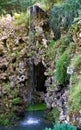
{"x":63,"y":15}
{"x":7,"y":118}
{"x":50,"y":3}
{"x":16,"y":100}
{"x":21,"y":18}
{"x":56,"y":114}
{"x":5,"y":122}
{"x":64,"y":43}
{"x":76,"y":62}
{"x":51,"y":50}
{"x":62,"y":126}
{"x":74,"y":98}
{"x":53,"y":115}
{"x":15,"y":5}
{"x":61,"y":67}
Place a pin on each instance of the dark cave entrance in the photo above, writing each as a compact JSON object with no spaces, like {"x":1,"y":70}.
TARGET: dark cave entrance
{"x":39,"y":77}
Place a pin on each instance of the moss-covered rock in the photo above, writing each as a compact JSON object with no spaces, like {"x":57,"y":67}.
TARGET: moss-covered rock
{"x":13,"y":69}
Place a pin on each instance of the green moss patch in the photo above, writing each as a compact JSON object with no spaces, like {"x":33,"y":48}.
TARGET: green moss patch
{"x":36,"y":107}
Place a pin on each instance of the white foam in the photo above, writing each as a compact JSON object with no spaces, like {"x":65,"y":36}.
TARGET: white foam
{"x":31,"y":121}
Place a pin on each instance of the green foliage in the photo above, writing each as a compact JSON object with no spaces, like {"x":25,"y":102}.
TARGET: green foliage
{"x":51,"y":43}
{"x":76,"y":62}
{"x":61,"y":67}
{"x":64,"y":126}
{"x":16,"y":100}
{"x":74,"y":98}
{"x":51,"y":50}
{"x":15,"y":92}
{"x":63,"y":15}
{"x":5,"y":119}
{"x":15,"y":5}
{"x":35,"y":107}
{"x":64,"y":43}
{"x":53,"y":115}
{"x":7,"y":87}
{"x":22,"y":17}
{"x":5,"y":122}
{"x":50,"y":3}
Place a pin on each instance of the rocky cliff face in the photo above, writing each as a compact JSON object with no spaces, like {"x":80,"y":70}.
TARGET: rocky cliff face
{"x":61,"y":60}
{"x":14,"y":68}
{"x":65,"y":95}
{"x":56,"y":65}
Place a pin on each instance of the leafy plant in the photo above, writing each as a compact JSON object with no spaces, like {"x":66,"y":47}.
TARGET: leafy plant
{"x":50,"y":3}
{"x":15,"y":5}
{"x":56,"y":113}
{"x":51,"y":43}
{"x":77,"y":61}
{"x":64,"y":43}
{"x":62,"y":15}
{"x":53,"y":115}
{"x":5,"y":122}
{"x":64,"y":126}
{"x":74,"y":100}
{"x":16,"y":100}
{"x":21,"y":18}
{"x":7,"y":118}
{"x":61,"y":67}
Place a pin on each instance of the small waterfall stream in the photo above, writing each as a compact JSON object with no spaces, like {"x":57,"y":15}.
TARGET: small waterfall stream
{"x":31,"y":80}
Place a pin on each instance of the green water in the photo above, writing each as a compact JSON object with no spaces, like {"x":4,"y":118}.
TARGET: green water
{"x":32,"y":121}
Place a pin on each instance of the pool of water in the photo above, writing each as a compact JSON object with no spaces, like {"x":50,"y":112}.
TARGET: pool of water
{"x":32,"y":121}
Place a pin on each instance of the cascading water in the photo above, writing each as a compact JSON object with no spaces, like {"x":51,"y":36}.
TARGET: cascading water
{"x":30,"y":119}
{"x":31,"y":80}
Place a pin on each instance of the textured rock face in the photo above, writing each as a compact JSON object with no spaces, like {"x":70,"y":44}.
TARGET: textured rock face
{"x":75,"y":74}
{"x":15,"y":53}
{"x":14,"y":67}
{"x":58,"y":95}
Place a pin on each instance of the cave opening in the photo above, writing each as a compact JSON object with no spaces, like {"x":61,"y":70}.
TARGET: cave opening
{"x":39,"y":77}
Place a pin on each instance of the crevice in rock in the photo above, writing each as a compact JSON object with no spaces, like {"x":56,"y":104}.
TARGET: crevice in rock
{"x":39,"y":77}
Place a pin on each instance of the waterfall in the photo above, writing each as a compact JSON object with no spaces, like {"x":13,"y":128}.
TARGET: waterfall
{"x":31,"y":65}
{"x":34,"y":9}
{"x":31,"y":62}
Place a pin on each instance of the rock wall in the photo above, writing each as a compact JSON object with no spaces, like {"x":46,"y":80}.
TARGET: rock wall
{"x":14,"y":68}
{"x":16,"y":49}
{"x":61,"y":52}
{"x":66,"y":97}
